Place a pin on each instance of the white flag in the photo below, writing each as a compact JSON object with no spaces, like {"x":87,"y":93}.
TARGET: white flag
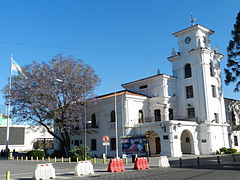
{"x":16,"y":69}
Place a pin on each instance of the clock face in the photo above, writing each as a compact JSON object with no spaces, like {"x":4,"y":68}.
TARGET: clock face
{"x":187,"y":40}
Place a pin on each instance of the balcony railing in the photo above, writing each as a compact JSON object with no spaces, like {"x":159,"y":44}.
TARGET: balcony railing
{"x":112,"y":125}
{"x":92,"y":126}
{"x":184,"y":118}
{"x":88,"y":126}
{"x":162,"y":118}
{"x":150,"y":119}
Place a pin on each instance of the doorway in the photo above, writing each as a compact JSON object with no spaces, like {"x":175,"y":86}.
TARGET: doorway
{"x":187,"y":142}
{"x":158,"y":145}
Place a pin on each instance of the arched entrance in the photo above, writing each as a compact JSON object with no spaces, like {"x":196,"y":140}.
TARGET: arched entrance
{"x":154,"y":143}
{"x":187,"y":146}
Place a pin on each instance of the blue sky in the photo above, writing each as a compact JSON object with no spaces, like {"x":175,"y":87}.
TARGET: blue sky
{"x":126,"y":39}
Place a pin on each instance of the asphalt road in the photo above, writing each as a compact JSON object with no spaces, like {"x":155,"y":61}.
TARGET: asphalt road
{"x":208,"y":169}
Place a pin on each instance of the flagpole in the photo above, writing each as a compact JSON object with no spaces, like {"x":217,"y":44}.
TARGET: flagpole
{"x":116,"y":120}
{"x":9,"y":105}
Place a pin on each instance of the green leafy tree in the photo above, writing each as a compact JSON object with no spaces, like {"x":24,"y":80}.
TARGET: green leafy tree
{"x":53,"y":94}
{"x":233,"y":51}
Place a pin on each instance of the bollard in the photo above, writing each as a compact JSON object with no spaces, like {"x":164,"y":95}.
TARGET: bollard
{"x":55,"y":159}
{"x":10,"y":157}
{"x":126,"y":161}
{"x":95,"y":160}
{"x":198,"y":161}
{"x":22,"y":158}
{"x":17,"y":158}
{"x":37,"y":158}
{"x":104,"y":160}
{"x":13,"y":158}
{"x":180,"y":162}
{"x":26,"y":158}
{"x":62,"y":159}
{"x":218,"y":159}
{"x":8,"y":175}
{"x":43,"y":158}
{"x":77,"y":159}
{"x":234,"y":159}
{"x":31,"y":158}
{"x":49,"y":160}
{"x":69,"y":159}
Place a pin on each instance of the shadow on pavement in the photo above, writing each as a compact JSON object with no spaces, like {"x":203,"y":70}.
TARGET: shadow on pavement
{"x":218,"y":162}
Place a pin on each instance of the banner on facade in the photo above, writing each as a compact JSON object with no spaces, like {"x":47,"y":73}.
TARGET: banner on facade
{"x":134,"y":145}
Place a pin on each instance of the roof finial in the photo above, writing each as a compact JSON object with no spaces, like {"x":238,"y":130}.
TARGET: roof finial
{"x":192,"y":19}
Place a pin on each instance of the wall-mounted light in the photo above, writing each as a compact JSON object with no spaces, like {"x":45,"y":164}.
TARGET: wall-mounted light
{"x":174,"y":128}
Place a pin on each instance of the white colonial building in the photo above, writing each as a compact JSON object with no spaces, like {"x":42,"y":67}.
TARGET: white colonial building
{"x":183,"y":113}
{"x":232,"y":107}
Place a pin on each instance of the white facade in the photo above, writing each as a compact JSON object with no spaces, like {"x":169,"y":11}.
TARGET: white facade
{"x":23,"y":137}
{"x":232,"y":107}
{"x":183,"y":113}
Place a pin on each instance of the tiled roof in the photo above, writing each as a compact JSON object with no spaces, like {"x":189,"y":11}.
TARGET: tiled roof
{"x":146,"y":78}
{"x":119,"y":93}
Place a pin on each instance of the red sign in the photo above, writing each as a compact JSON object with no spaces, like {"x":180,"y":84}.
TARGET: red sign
{"x":105,"y":139}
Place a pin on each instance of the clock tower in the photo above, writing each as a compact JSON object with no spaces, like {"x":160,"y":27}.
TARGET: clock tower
{"x":193,"y":37}
{"x":199,"y":88}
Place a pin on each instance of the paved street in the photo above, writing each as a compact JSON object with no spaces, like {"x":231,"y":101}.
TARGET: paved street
{"x":208,"y":169}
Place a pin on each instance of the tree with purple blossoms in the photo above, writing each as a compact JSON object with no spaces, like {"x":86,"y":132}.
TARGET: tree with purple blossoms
{"x":53,"y":94}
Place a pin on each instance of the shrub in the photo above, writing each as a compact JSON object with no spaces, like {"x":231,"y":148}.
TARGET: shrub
{"x":231,"y":151}
{"x":57,"y":153}
{"x":79,"y":152}
{"x":223,"y":150}
{"x":35,"y":153}
{"x":227,"y":150}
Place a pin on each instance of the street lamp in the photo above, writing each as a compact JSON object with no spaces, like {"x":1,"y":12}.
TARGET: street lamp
{"x":85,"y":117}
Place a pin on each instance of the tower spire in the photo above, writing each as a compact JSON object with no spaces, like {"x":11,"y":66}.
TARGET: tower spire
{"x":192,"y":19}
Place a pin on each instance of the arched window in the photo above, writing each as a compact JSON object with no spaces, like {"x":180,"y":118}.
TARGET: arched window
{"x":188,"y":70}
{"x":170,"y":114}
{"x":211,"y":69}
{"x":140,"y":116}
{"x":233,"y":119}
{"x":113,"y":116}
{"x":94,"y":121}
{"x":157,"y":114}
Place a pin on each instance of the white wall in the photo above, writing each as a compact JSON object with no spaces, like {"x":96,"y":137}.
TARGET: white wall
{"x":31,"y":134}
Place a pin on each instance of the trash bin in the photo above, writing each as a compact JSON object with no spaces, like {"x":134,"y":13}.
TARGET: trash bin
{"x":134,"y":156}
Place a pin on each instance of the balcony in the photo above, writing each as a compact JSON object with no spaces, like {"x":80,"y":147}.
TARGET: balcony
{"x":111,"y":125}
{"x":185,"y":118}
{"x":150,"y":119}
{"x":162,"y":118}
{"x":92,"y":126}
{"x":89,"y":127}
